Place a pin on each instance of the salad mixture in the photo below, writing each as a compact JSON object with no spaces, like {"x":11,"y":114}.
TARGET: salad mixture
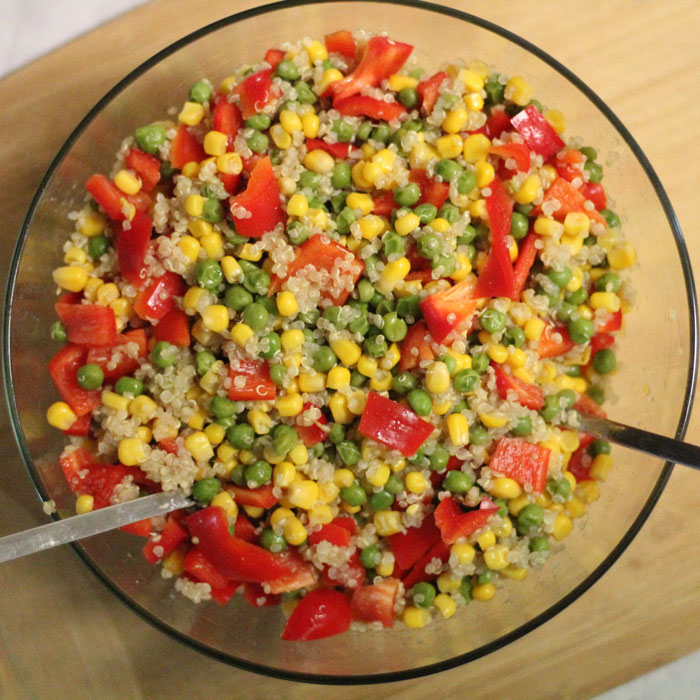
{"x":354,"y":310}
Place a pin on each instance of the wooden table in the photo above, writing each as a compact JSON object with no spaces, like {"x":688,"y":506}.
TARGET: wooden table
{"x":62,"y":635}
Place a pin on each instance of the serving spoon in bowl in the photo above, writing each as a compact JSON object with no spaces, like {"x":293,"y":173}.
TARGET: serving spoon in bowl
{"x":79,"y":526}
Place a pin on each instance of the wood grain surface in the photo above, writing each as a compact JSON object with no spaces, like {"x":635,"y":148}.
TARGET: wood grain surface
{"x":63,"y":635}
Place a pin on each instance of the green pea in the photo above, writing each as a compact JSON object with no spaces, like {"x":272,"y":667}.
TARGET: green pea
{"x":256,"y":280}
{"x":457,"y":482}
{"x":445,"y":265}
{"x":485,"y":577}
{"x":419,"y":401}
{"x":356,"y":379}
{"x":222,"y":407}
{"x":609,"y":282}
{"x":599,"y":447}
{"x":393,"y":244}
{"x":365,"y":290}
{"x":258,"y":142}
{"x":565,"y":311}
{"x":408,"y":195}
{"x":559,"y":487}
{"x":514,"y":336}
{"x":395,"y":328}
{"x":241,"y":436}
{"x":567,"y":398}
{"x":448,"y":100}
{"x":284,"y":438}
{"x":370,"y":556}
{"x":581,"y":330}
{"x":409,"y":306}
{"x":423,"y":594}
{"x":58,"y":332}
{"x":530,"y":516}
{"x":287,"y":70}
{"x":309,"y":179}
{"x":257,"y":474}
{"x":471,"y":253}
{"x":205,"y":489}
{"x":271,"y":541}
{"x":381,"y":500}
{"x":163,"y":354}
{"x":597,"y":394}
{"x":408,"y":97}
{"x":550,"y":291}
{"x":364,"y":131}
{"x":324,"y":359}
{"x":551,"y":408}
{"x":151,"y":137}
{"x":447,"y":169}
{"x":595,"y":171}
{"x":523,"y":426}
{"x":480,"y":362}
{"x":450,"y":363}
{"x":492,"y":320}
{"x":90,"y":376}
{"x":449,"y":212}
{"x":494,"y":91}
{"x":354,"y":495}
{"x":297,"y":232}
{"x":342,"y":175}
{"x":256,"y":316}
{"x":259,"y":122}
{"x":478,"y":435}
{"x":305,"y":94}
{"x":394,"y":485}
{"x":425,"y":212}
{"x":468,"y":235}
{"x":611,"y":217}
{"x":589,"y":152}
{"x":359,"y":325}
{"x":573,"y":371}
{"x":466,"y":381}
{"x":539,"y":544}
{"x":201,"y":91}
{"x":465,"y":589}
{"x":129,"y":385}
{"x":374,"y":347}
{"x":466,"y":181}
{"x":235,"y":239}
{"x":429,"y":246}
{"x":576,"y":298}
{"x":403,"y":382}
{"x":346,"y":217}
{"x":379,"y":133}
{"x":203,"y":362}
{"x":459,"y":407}
{"x":519,"y":225}
{"x":237,"y":297}
{"x":167,"y":170}
{"x":337,"y":433}
{"x":414,"y":125}
{"x":98,"y":246}
{"x":343,"y":130}
{"x":560,"y":277}
{"x":273,"y":344}
{"x":309,"y":317}
{"x":439,"y":459}
{"x":209,"y":274}
{"x":604,"y":361}
{"x":335,"y":315}
{"x":316,"y":450}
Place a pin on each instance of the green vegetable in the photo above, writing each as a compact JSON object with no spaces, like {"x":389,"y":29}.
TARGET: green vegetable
{"x":408,"y":97}
{"x":222,"y":407}
{"x":209,"y":274}
{"x":408,"y":195}
{"x":256,"y":316}
{"x":241,"y":436}
{"x":163,"y":354}
{"x":420,"y":402}
{"x":271,"y":541}
{"x":257,"y":474}
{"x":203,"y":361}
{"x":353,"y":495}
{"x":98,"y":246}
{"x":90,"y":376}
{"x":287,"y":70}
{"x":457,"y":482}
{"x":58,"y":332}
{"x":129,"y":385}
{"x":423,"y":594}
{"x":604,"y":361}
{"x":150,"y":138}
{"x":205,"y":489}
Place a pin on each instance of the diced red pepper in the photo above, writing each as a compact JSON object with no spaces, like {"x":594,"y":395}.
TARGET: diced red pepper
{"x":375,"y":603}
{"x":381,"y":59}
{"x":132,"y":245}
{"x":346,"y":521}
{"x":185,"y":148}
{"x":298,"y":573}
{"x":166,"y":541}
{"x":523,"y":461}
{"x":393,"y":425}
{"x":384,"y":203}
{"x":223,"y":595}
{"x":91,"y":325}
{"x":63,"y":368}
{"x":256,"y":92}
{"x":366,"y":106}
{"x":519,"y":152}
{"x":528,"y":395}
{"x":497,"y":122}
{"x":169,"y":445}
{"x":341,"y":42}
{"x":580,"y":461}
{"x":428,"y":91}
{"x":554,"y":341}
{"x":80,"y":427}
{"x":440,"y":551}
{"x":157,"y":300}
{"x":601,"y":341}
{"x":330,"y":532}
{"x":69,"y":298}
{"x":570,"y":200}
{"x":255,"y":595}
{"x":611,"y":324}
{"x":408,"y":547}
{"x":234,"y":558}
{"x":141,"y":528}
{"x":454,"y":524}
{"x":496,"y":277}
{"x":321,"y":613}
{"x":537,"y":132}
{"x":228,"y":120}
{"x":261,"y":497}
{"x":274,"y":57}
{"x":125,"y":364}
{"x":432,"y":192}
{"x":569,"y":164}
{"x":141,"y":201}
{"x":595,"y":192}
{"x":200,"y":567}
{"x":324,"y":254}
{"x":450,"y":309}
{"x":415,"y":339}
{"x":107,"y":195}
{"x":230,"y":181}
{"x":311,"y":434}
{"x":174,"y":328}
{"x":146,"y":166}
{"x":260,"y":201}
{"x":257,"y":385}
{"x":418,"y":262}
{"x":523,"y":265}
{"x":244,"y":529}
{"x":337,"y":150}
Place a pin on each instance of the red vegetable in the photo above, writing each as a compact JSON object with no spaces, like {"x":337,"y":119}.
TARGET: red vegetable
{"x":525,"y":261}
{"x":415,"y":339}
{"x":244,"y":529}
{"x":341,"y":42}
{"x":384,"y":203}
{"x":132,"y":245}
{"x":440,"y":551}
{"x":335,"y":534}
{"x":522,"y":461}
{"x":375,"y":603}
{"x":141,"y":528}
{"x":408,"y":547}
{"x":260,"y":202}
{"x":537,"y":132}
{"x":454,"y":524}
{"x":450,"y":309}
{"x":570,"y":199}
{"x":146,"y":166}
{"x":80,"y":427}
{"x":157,"y":300}
{"x":321,"y":613}
{"x":260,"y":497}
{"x":428,"y":91}
{"x":174,"y":328}
{"x":255,"y":92}
{"x":569,"y":164}
{"x":581,"y":460}
{"x":519,"y":152}
{"x":498,"y":121}
{"x":63,"y":368}
{"x":274,"y":57}
{"x":125,"y":364}
{"x":255,"y":595}
{"x":166,"y":541}
{"x":595,"y":192}
{"x":529,"y":395}
{"x":432,"y":192}
{"x":91,"y":325}
{"x":555,"y":340}
{"x":107,"y":195}
{"x":393,"y":425}
{"x":228,"y":120}
{"x":311,"y":434}
{"x":381,"y":59}
{"x":337,"y":150}
{"x":198,"y":566}
{"x":185,"y":148}
{"x":346,"y":521}
{"x":257,"y":385}
{"x":611,"y":324}
{"x":365,"y":106}
{"x":223,"y":595}
{"x":586,"y":404}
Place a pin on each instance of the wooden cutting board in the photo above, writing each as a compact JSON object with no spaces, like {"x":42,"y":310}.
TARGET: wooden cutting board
{"x":62,"y":634}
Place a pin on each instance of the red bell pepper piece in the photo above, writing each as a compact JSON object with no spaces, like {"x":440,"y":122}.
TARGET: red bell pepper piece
{"x":432,"y":192}
{"x":393,"y":425}
{"x":341,"y":42}
{"x":450,"y":309}
{"x":63,"y":368}
{"x":497,"y":122}
{"x":528,"y":395}
{"x":256,"y":92}
{"x":537,"y":132}
{"x":586,"y":404}
{"x":415,"y":339}
{"x":384,"y":203}
{"x":337,"y":150}
{"x":199,"y":567}
{"x":601,"y":341}
{"x":324,"y":254}
{"x":258,"y":209}
{"x":408,"y":547}
{"x":496,"y":277}
{"x":174,"y":328}
{"x":580,"y":461}
{"x":333,"y":533}
{"x":570,"y":199}
{"x":125,"y":364}
{"x":80,"y":427}
{"x":107,"y":195}
{"x":298,"y":573}
{"x":519,"y":152}
{"x":146,"y":166}
{"x":595,"y":193}
{"x":91,"y":325}
{"x":261,"y":497}
{"x":255,"y":595}
{"x":223,"y":595}
{"x":555,"y":340}
{"x":569,"y":164}
{"x":455,"y":524}
{"x":440,"y":551}
{"x":85,"y":475}
{"x":69,"y":298}
{"x":274,"y":57}
{"x":169,"y":445}
{"x":141,"y":528}
{"x":244,"y":529}
{"x":158,"y":299}
{"x":166,"y":541}
{"x":185,"y":148}
{"x":228,"y":120}
{"x":230,"y":181}
{"x":522,"y":461}
{"x":418,"y":262}
{"x":428,"y":91}
{"x":132,"y":245}
{"x":375,"y":603}
{"x":381,"y":59}
{"x":611,"y":324}
{"x":311,"y":434}
{"x":366,"y":106}
{"x":234,"y":558}
{"x":320,"y":613}
{"x":346,"y":521}
{"x":257,"y":385}
{"x":523,"y":265}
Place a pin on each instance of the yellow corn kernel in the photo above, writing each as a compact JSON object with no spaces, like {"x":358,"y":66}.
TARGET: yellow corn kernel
{"x":524,"y":374}
{"x":398,"y":82}
{"x":199,"y":228}
{"x":455,"y":120}
{"x":213,"y":244}
{"x":458,"y":429}
{"x":361,"y":201}
{"x":215,"y":143}
{"x":294,"y":532}
{"x":347,"y":351}
{"x":297,"y":205}
{"x":70,"y":278}
{"x":575,"y":508}
{"x":292,"y":360}
{"x":386,"y":565}
{"x":415,"y":617}
{"x":437,"y":378}
{"x":250,"y":252}
{"x":391,"y":357}
{"x":279,"y":517}
{"x":476,"y":148}
{"x":199,"y":447}
{"x":290,"y":121}
{"x":517,"y":503}
{"x":380,"y":381}
{"x":528,"y":190}
{"x":563,"y":526}
{"x":84,"y":504}
{"x":261,"y":421}
{"x":496,"y":557}
{"x":343,"y":478}
{"x":318,"y":217}
{"x":194,"y":204}
{"x":518,"y":90}
{"x":449,"y":146}
{"x":445,"y":604}
{"x":287,"y":304}
{"x":310,"y":123}
{"x":131,"y":452}
{"x":579,"y":385}
{"x":191,"y":114}
{"x":380,"y":475}
{"x":339,"y":408}
{"x":143,"y":407}
{"x":115,"y":401}
{"x":91,"y":287}
{"x":485,"y":173}
{"x":464,"y":267}
{"x":505,"y":529}
{"x":575,"y":243}
{"x":483,"y":592}
{"x":601,"y":466}
{"x":416,"y":483}
{"x":463,"y":552}
{"x":91,"y":224}
{"x":75,"y":255}
{"x":246,"y":457}
{"x":61,"y":416}
{"x":516,"y":358}
{"x":358,"y":178}
{"x":392,"y":274}
{"x":319,"y":161}
{"x":534,"y":328}
{"x":471,"y":79}
{"x":317,"y":51}
{"x":229,"y":163}
{"x":477,"y":210}
{"x":215,"y":433}
{"x":231,"y":269}
{"x":493,"y":420}
{"x":299,"y":454}
{"x":175,"y":562}
{"x":227,"y":84}
{"x":303,"y":494}
{"x":514,"y":572}
{"x":605,"y":300}
{"x":387,"y":522}
{"x":312,"y":383}
{"x":215,"y":318}
{"x":385,"y":159}
{"x":622,"y":256}
{"x":589,"y":490}
{"x":253,"y":511}
{"x":577,"y":223}
{"x":556,"y":119}
{"x":241,"y":333}
{"x":549,"y":174}
{"x":338,"y":377}
{"x":447,"y":583}
{"x":497,"y":352}
{"x":371,"y":226}
{"x":320,"y":513}
{"x":440,"y":225}
{"x":548,"y":227}
{"x":225,"y":501}
{"x":283,"y":474}
{"x":486,"y":540}
{"x":190,"y":247}
{"x":367,"y":366}
{"x":330,"y":75}
{"x":292,"y":339}
{"x":406,"y":223}
{"x":503,"y":487}
{"x":144,"y":433}
{"x":191,"y":169}
{"x":226,"y":454}
{"x":513,"y":251}
{"x":473,"y":101}
{"x":127,"y":182}
{"x":201,"y":334}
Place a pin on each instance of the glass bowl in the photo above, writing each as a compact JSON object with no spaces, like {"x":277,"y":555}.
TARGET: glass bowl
{"x":663,"y":325}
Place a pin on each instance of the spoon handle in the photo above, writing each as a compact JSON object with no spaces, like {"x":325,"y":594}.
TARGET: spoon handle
{"x":642,"y":440}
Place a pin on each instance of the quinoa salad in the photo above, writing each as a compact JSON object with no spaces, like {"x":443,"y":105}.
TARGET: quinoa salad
{"x":354,"y":310}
